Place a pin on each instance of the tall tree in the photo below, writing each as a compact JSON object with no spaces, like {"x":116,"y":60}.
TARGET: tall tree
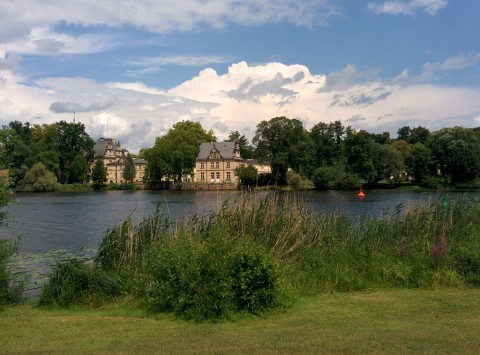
{"x":358,"y":152}
{"x":70,"y":140}
{"x":129,"y":169}
{"x":174,"y":154}
{"x":281,"y":141}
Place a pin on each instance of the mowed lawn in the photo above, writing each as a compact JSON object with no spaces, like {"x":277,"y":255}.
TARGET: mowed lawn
{"x":386,"y":321}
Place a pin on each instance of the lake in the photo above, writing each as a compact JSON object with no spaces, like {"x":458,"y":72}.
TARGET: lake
{"x":52,"y":226}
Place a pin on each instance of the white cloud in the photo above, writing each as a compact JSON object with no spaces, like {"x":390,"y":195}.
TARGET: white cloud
{"x":238,"y":100}
{"x":411,"y":7}
{"x":45,"y":41}
{"x":18,"y":18}
{"x":457,"y":62}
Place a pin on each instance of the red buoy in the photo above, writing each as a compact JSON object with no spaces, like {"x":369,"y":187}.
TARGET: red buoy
{"x":361,"y":194}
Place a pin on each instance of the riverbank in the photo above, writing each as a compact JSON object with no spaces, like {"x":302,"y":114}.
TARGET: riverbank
{"x":385,"y":321}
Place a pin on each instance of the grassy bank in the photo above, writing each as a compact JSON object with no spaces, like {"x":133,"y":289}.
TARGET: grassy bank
{"x":390,"y":321}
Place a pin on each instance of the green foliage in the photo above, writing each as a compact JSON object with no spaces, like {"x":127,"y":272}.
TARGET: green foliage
{"x":56,"y":146}
{"x":79,"y":169}
{"x":174,"y":154}
{"x":209,"y":279}
{"x":335,"y":178}
{"x":297,"y":182}
{"x":282,"y":142}
{"x":129,"y":169}
{"x":38,"y":179}
{"x":456,"y":152}
{"x":99,"y":175}
{"x":359,"y":155}
{"x":11,"y":285}
{"x":74,"y":282}
{"x":125,"y":248}
{"x":247,"y":175}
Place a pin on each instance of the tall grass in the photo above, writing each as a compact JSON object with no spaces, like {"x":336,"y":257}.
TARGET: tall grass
{"x":11,"y":284}
{"x":244,"y":255}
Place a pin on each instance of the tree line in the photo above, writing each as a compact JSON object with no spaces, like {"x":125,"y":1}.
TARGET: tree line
{"x":328,"y":156}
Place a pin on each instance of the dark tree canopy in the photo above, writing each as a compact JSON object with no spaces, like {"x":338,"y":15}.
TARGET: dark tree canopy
{"x":280,"y":141}
{"x":174,"y":154}
{"x":129,"y":169}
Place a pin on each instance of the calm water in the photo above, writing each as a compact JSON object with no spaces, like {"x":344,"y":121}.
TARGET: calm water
{"x":52,"y":226}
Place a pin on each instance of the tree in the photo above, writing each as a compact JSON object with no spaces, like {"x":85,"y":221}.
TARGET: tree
{"x":69,"y":140}
{"x":247,"y":175}
{"x":38,"y":179}
{"x":246,"y":150}
{"x":358,"y":152}
{"x":388,"y":162}
{"x":328,"y":141}
{"x":456,"y":151}
{"x":99,"y":175}
{"x":418,"y":162}
{"x":174,"y":154}
{"x":79,"y":169}
{"x":129,"y":169}
{"x":281,"y":141}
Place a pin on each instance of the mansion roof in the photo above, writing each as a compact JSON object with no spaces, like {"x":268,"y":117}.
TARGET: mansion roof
{"x":226,"y":150}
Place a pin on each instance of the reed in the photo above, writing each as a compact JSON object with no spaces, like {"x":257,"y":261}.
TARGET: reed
{"x":259,"y":249}
{"x":11,"y":284}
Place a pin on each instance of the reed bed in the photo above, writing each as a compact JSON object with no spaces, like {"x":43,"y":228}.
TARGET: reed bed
{"x":275,"y":246}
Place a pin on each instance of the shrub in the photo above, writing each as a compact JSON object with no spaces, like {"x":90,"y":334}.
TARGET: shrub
{"x":211,"y":279}
{"x":38,"y":179}
{"x":74,"y":282}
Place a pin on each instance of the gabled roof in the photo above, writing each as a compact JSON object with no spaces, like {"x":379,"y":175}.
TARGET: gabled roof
{"x":225,"y":149}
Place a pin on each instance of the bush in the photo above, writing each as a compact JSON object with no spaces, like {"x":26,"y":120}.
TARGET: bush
{"x":211,"y":279}
{"x":38,"y":179}
{"x":11,"y":286}
{"x":297,"y":182}
{"x":74,"y":282}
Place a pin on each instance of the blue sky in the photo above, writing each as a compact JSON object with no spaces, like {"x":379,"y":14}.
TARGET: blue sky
{"x":132,"y":69}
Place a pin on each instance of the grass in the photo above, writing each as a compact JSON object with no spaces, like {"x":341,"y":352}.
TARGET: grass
{"x":387,"y":321}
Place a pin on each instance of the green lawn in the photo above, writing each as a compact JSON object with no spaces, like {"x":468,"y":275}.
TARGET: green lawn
{"x":390,"y":321}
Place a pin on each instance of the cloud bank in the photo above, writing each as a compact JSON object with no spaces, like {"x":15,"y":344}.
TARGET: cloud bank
{"x":239,"y":99}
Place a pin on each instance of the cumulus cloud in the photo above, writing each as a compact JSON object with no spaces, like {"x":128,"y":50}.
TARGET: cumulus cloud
{"x":238,"y":100}
{"x":411,"y":7}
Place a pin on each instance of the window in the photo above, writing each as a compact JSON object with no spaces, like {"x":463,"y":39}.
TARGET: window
{"x":212,"y":164}
{"x":202,"y":166}
{"x":217,"y":165}
{"x":218,"y":176}
{"x":202,"y":176}
{"x":228,"y":164}
{"x":228,"y":175}
{"x":212,"y":175}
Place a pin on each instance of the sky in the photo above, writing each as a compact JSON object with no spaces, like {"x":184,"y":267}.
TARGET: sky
{"x":131,"y":69}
